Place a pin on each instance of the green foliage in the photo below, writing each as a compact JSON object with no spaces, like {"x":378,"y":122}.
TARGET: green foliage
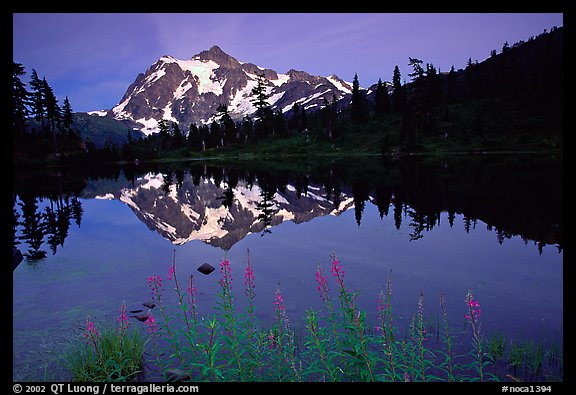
{"x":117,"y":357}
{"x":336,"y":345}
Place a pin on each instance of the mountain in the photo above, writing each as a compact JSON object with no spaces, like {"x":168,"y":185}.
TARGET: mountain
{"x":189,"y":91}
{"x":99,"y":129}
{"x":197,"y":212}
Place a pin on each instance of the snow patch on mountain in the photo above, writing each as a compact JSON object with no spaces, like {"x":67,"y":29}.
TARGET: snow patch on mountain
{"x":203,"y":72}
{"x":100,"y":113}
{"x":339,"y":85}
{"x":150,"y":125}
{"x":152,"y":181}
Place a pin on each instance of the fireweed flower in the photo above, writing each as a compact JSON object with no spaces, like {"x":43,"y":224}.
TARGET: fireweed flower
{"x":474,"y":311}
{"x":91,"y":331}
{"x":151,"y":324}
{"x":278,"y":303}
{"x":226,"y":272}
{"x":123,"y":318}
{"x":249,"y":280}
{"x":171,"y":272}
{"x":337,"y":271}
{"x":155,"y":284}
{"x":91,"y":335}
{"x":336,"y":268}
{"x":322,"y":281}
{"x":191,"y":290}
{"x":271,"y":340}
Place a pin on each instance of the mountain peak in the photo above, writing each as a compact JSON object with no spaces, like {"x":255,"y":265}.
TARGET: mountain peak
{"x":216,"y":54}
{"x":190,"y":91}
{"x":215,"y":49}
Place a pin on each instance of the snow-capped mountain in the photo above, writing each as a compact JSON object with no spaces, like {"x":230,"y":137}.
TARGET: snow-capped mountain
{"x":196,"y":212}
{"x":189,"y":91}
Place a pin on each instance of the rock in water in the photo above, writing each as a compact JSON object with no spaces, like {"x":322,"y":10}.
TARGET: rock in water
{"x":150,"y":305}
{"x":135,"y":311}
{"x":177,"y":375}
{"x":205,"y":268}
{"x":140,"y":318}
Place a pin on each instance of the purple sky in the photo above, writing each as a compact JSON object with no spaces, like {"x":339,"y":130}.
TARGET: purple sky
{"x":92,"y":58}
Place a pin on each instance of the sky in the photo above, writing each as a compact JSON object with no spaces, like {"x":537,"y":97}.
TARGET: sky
{"x":92,"y":58}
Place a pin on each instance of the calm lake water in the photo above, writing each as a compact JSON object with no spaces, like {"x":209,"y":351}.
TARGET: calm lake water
{"x":91,"y":237}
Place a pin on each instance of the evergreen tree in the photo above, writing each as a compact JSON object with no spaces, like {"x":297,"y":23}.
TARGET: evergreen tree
{"x":294,"y":121}
{"x":382,"y":100}
{"x":204,"y":137}
{"x":247,"y":128}
{"x":227,"y":124}
{"x":194,"y":138}
{"x":215,"y":135}
{"x":34,"y":227}
{"x":327,"y":119}
{"x":37,"y":102}
{"x":398,"y":95}
{"x":177,"y":136}
{"x":67,"y":115}
{"x":450,"y":86}
{"x":264,"y":124}
{"x":20,"y":100}
{"x":358,"y":107}
{"x":53,"y":111}
{"x":417,"y":70}
{"x":432,"y":84}
{"x":128,"y":147}
{"x":280,"y":128}
{"x":164,"y":134}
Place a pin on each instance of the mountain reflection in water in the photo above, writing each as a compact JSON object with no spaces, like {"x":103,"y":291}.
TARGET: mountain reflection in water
{"x":220,"y":203}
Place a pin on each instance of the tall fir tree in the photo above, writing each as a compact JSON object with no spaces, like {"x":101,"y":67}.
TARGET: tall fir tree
{"x":177,"y":136}
{"x":194,"y":139}
{"x":264,"y":124}
{"x":67,"y":115}
{"x":398,"y":94}
{"x":20,"y":100}
{"x":37,"y":101}
{"x":247,"y":128}
{"x":164,"y":134}
{"x":227,"y":124}
{"x":358,"y":106}
{"x":216,"y":138}
{"x":382,"y":100}
{"x":53,"y":111}
{"x":417,"y":71}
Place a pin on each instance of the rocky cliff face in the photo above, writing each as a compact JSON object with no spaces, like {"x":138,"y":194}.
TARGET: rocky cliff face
{"x":189,"y":91}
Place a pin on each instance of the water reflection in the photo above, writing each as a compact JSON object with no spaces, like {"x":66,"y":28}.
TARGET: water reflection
{"x":221,"y":203}
{"x":44,"y":206}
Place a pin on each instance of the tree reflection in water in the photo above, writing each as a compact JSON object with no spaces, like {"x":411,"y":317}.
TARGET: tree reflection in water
{"x":513,"y":195}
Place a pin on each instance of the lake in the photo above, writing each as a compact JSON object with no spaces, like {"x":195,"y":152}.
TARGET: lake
{"x":492,"y":224}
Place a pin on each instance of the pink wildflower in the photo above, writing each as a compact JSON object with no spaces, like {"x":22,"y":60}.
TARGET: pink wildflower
{"x":91,"y":330}
{"x":278,"y":302}
{"x":249,"y":280}
{"x":336,"y":269}
{"x":226,"y":272}
{"x":151,"y":324}
{"x":155,"y":284}
{"x":322,"y":281}
{"x":123,"y":318}
{"x":474,"y":311}
{"x":271,"y":340}
{"x":171,"y":272}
